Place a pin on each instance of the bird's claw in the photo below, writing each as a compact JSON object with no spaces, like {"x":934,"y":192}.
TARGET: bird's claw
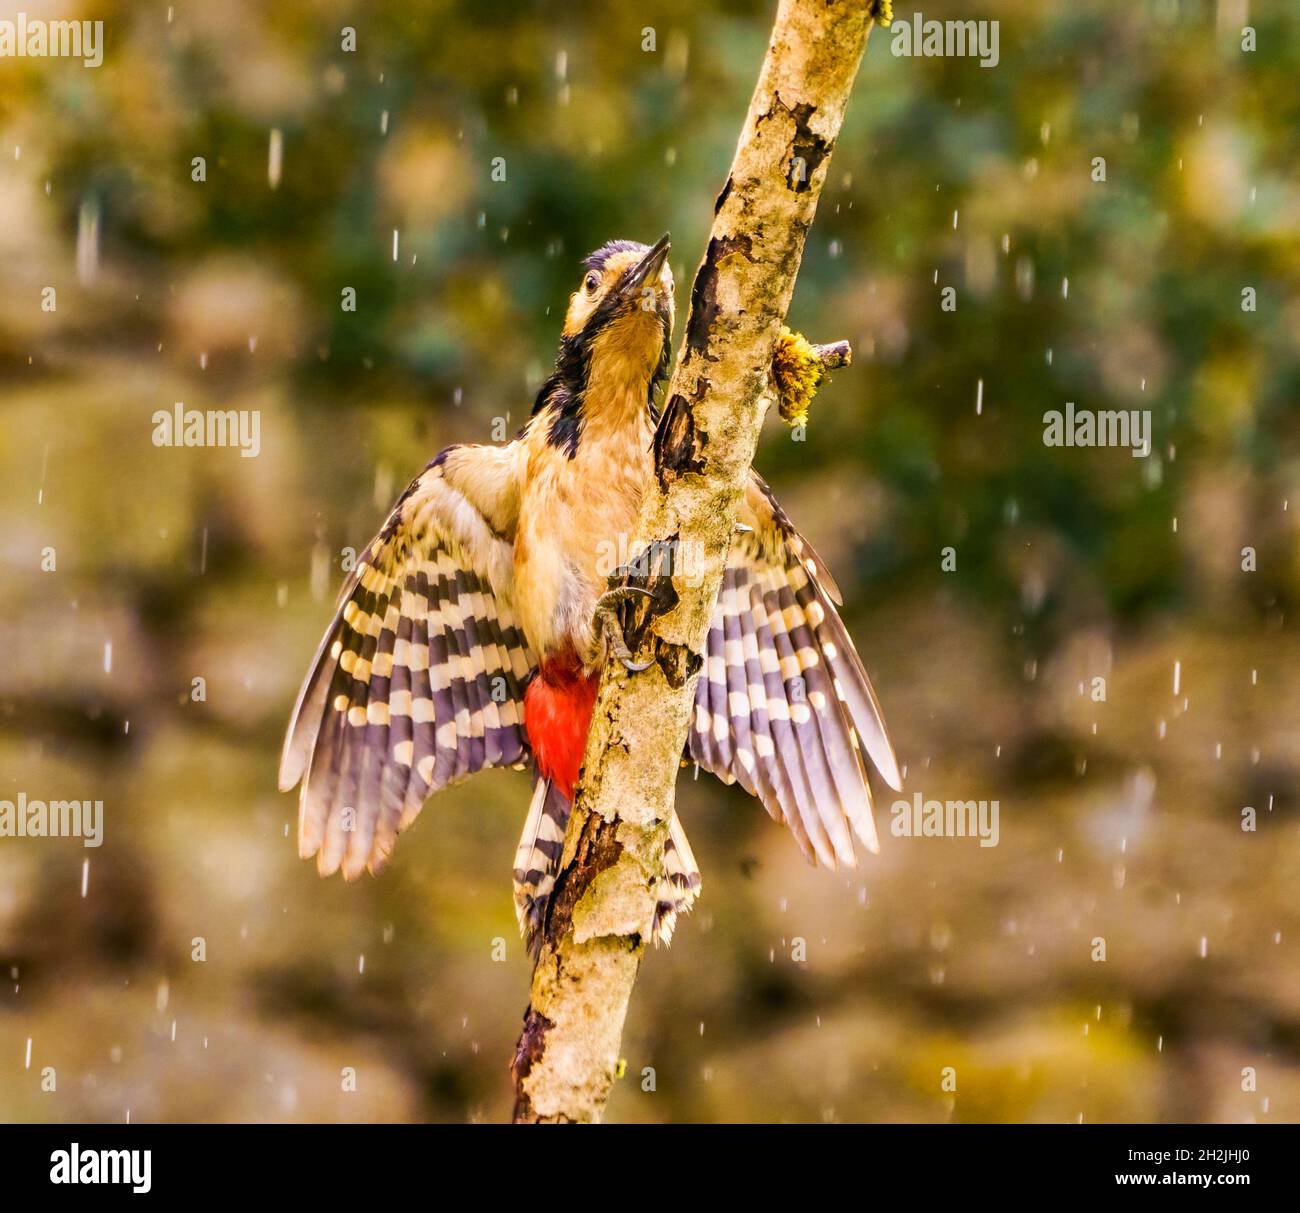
{"x":610,"y":627}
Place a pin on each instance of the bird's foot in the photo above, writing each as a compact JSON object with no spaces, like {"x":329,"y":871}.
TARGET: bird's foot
{"x":610,"y":627}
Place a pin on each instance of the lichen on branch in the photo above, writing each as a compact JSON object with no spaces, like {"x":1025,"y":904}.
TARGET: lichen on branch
{"x":799,"y":368}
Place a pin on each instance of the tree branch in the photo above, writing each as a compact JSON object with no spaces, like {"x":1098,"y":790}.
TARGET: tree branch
{"x":605,"y":894}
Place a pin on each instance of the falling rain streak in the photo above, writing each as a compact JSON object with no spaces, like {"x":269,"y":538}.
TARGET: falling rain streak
{"x":274,"y":158}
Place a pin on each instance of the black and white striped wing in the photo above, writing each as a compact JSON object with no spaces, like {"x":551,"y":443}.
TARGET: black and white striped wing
{"x":783,"y":705}
{"x":417,"y":684}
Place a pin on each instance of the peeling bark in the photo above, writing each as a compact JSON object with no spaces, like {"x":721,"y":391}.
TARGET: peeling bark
{"x":568,"y":1055}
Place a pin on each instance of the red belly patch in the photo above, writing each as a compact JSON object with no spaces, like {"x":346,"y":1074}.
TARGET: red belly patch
{"x":557,"y":716}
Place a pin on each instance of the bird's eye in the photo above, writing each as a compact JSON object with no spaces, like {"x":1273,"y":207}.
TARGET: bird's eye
{"x":592,"y":282}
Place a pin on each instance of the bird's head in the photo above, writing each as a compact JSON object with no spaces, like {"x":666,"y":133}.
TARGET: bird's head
{"x":618,"y":327}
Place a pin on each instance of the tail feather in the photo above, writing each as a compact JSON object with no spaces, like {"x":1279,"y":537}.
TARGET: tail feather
{"x":680,"y":884}
{"x":537,"y":860}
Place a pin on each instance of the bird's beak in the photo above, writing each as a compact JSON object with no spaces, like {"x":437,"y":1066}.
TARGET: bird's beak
{"x":647,"y":269}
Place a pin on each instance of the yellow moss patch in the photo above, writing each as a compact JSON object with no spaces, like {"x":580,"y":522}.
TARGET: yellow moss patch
{"x":797,"y":372}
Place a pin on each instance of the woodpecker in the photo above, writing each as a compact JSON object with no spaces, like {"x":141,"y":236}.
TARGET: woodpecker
{"x":472,"y":632}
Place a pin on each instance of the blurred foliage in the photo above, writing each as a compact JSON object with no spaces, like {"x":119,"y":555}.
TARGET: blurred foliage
{"x":1120,"y":819}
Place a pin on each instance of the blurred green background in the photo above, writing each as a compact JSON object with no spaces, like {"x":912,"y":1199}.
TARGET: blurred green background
{"x":1120,"y":819}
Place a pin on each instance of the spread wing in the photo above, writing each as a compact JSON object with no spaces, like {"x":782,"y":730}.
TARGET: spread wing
{"x":418,"y":682}
{"x":783,"y":705}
